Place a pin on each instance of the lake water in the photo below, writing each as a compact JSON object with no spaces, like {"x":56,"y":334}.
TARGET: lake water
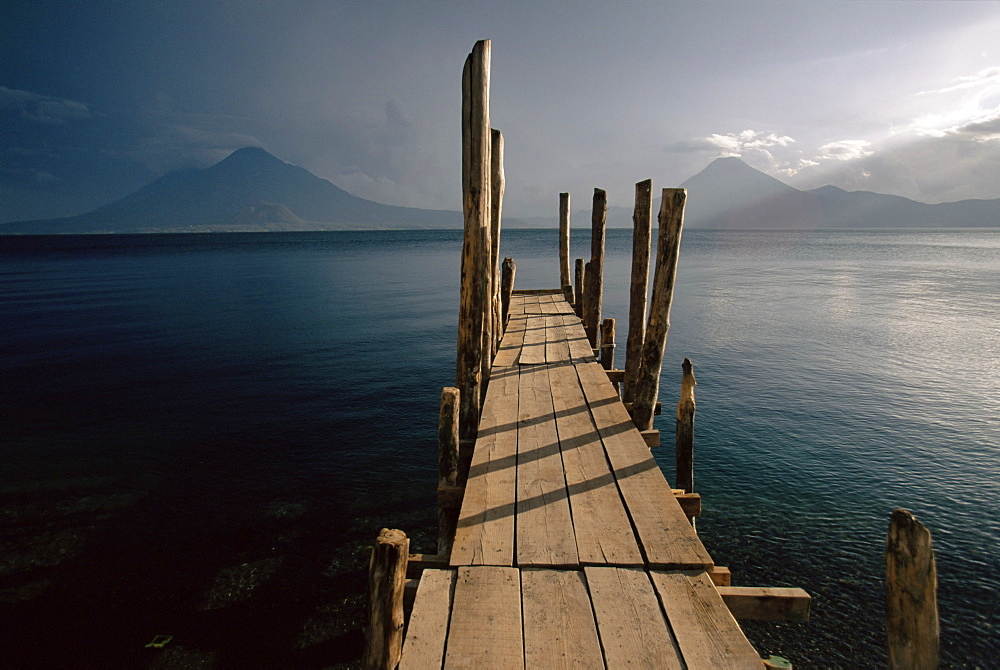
{"x":201,"y":434}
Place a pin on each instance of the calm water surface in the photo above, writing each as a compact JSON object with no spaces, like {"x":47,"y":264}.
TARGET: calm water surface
{"x":202,"y":433}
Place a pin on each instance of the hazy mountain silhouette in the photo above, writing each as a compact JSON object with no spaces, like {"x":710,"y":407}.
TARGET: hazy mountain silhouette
{"x":250,"y":190}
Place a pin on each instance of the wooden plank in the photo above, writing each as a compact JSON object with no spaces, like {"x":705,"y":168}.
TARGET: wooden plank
{"x":600,"y":522}
{"x":579,"y":346}
{"x":706,"y":632}
{"x":664,"y":532}
{"x":631,"y":625}
{"x":486,"y":629}
{"x":427,"y":629}
{"x":556,"y":345}
{"x":510,"y":345}
{"x":485,"y":531}
{"x":766,"y":603}
{"x":533,"y":350}
{"x":544,"y":525}
{"x":559,"y":626}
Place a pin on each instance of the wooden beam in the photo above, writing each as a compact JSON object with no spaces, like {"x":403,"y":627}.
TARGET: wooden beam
{"x":652,"y":438}
{"x":689,"y":502}
{"x":476,"y":203}
{"x":580,"y":287}
{"x":685,"y":429}
{"x":450,"y":497}
{"x":564,"y":277}
{"x":595,"y":273}
{"x":496,"y":211}
{"x":642,"y":227}
{"x":657,"y":408}
{"x":911,"y":594}
{"x":386,"y":583}
{"x":647,"y":385}
{"x":720,"y":575}
{"x":764,"y":603}
{"x":507,"y":274}
{"x":448,"y":464}
{"x":608,"y":344}
{"x":417,"y":563}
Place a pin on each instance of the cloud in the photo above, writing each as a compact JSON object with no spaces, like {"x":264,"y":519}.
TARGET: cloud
{"x":44,"y":109}
{"x":731,"y":144}
{"x":845,"y":150}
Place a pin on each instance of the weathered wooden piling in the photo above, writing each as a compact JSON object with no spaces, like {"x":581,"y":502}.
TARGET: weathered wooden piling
{"x":685,"y":430}
{"x":496,"y":210}
{"x":449,"y":467}
{"x":476,"y":167}
{"x":507,"y":274}
{"x":608,"y":344}
{"x":642,"y":226}
{"x":581,"y":276}
{"x":911,"y":595}
{"x":595,"y":272}
{"x":671,"y":221}
{"x":386,"y":580}
{"x":565,"y":282}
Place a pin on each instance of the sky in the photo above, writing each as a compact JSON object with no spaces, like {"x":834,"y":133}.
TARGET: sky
{"x":100,"y":97}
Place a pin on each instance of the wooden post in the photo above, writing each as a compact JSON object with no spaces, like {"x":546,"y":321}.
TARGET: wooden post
{"x":595,"y":273}
{"x":564,"y":277}
{"x":496,"y":210}
{"x":911,"y":594}
{"x":448,"y":465}
{"x":685,"y":430}
{"x":386,"y":579}
{"x":476,"y":205}
{"x":642,"y":227}
{"x":580,"y":287}
{"x":608,"y":344}
{"x":507,"y":287}
{"x":647,"y":385}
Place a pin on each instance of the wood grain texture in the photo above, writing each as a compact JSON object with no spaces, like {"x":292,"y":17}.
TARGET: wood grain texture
{"x":544,"y":525}
{"x":595,"y":270}
{"x":485,"y":531}
{"x":911,"y":594}
{"x":684,"y":449}
{"x":497,"y":186}
{"x":533,"y":350}
{"x":559,"y":626}
{"x":564,"y":277}
{"x":664,"y":532}
{"x":642,"y":230}
{"x":766,"y":603}
{"x":706,"y":632}
{"x":386,"y":580}
{"x":427,"y":629}
{"x":486,"y":631}
{"x":631,"y":626}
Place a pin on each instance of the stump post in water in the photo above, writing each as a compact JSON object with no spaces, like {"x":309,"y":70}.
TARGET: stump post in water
{"x":685,"y":430}
{"x":595,"y":271}
{"x":450,"y":467}
{"x":911,"y":595}
{"x":565,"y":281}
{"x":476,"y":204}
{"x":496,"y":210}
{"x":507,"y":287}
{"x":671,"y":220}
{"x":642,"y":227}
{"x":580,"y":287}
{"x":386,"y":580}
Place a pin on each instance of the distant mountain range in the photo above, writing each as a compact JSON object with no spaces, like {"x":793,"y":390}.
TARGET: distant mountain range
{"x":251,"y":190}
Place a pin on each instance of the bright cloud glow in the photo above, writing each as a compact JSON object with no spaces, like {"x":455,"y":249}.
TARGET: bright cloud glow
{"x":845,"y":150}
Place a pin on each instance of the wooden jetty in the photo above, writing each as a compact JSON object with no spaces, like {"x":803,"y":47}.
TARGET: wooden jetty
{"x":561,"y":542}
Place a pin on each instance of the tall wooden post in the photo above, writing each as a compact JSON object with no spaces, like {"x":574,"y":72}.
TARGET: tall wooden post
{"x":386,"y":579}
{"x":580,"y":287}
{"x":685,"y":430}
{"x":564,"y":277}
{"x":496,"y":210}
{"x":642,"y":228}
{"x":911,"y":595}
{"x":668,"y":246}
{"x":595,"y":273}
{"x":476,"y":203}
{"x":448,"y":465}
{"x":507,"y":288}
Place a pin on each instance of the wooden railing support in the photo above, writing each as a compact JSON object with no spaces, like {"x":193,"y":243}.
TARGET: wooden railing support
{"x":476,"y":203}
{"x":564,"y":277}
{"x":581,"y":287}
{"x":608,"y":345}
{"x":386,"y":582}
{"x":911,"y":595}
{"x":507,"y":287}
{"x":595,"y":271}
{"x":496,"y":212}
{"x":642,"y":230}
{"x":671,"y":220}
{"x":685,"y":430}
{"x":448,"y":464}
